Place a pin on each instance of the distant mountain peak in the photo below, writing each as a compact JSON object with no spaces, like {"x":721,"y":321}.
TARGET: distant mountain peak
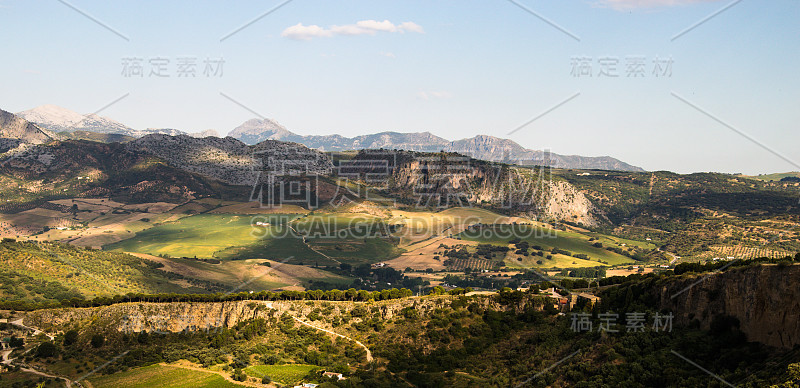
{"x":257,"y":130}
{"x":59,"y":119}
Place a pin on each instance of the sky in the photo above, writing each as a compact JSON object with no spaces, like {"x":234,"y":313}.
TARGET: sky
{"x":679,"y":85}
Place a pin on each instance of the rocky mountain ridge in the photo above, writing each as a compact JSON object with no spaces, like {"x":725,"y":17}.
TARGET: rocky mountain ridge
{"x":228,"y":159}
{"x":480,"y":147}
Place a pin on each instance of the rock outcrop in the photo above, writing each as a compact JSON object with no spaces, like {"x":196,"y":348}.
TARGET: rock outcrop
{"x":450,"y":179}
{"x":764,"y":298}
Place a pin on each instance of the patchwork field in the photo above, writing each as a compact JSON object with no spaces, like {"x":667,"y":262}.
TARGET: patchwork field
{"x":548,"y":239}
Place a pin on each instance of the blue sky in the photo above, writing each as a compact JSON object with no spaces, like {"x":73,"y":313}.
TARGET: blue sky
{"x":454,"y":68}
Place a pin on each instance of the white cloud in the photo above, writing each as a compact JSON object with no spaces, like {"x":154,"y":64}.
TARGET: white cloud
{"x":625,"y":5}
{"x":301,"y":32}
{"x":411,"y":27}
{"x":363,"y":27}
{"x":351,"y":29}
{"x":385,"y":25}
{"x":388,"y":55}
{"x":431,"y":95}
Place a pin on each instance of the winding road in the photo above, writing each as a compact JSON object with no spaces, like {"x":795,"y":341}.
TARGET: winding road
{"x":35,"y":331}
{"x":369,"y":353}
{"x":4,"y":356}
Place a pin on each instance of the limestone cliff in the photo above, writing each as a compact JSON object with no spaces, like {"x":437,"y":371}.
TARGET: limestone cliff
{"x":765,"y":299}
{"x":207,"y":316}
{"x":450,"y":179}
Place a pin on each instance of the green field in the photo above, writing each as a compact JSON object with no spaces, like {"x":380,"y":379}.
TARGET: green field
{"x":338,"y":225}
{"x":161,"y":376}
{"x":776,"y":176}
{"x":548,"y":239}
{"x":285,"y":374}
{"x":355,"y":238}
{"x":357,"y":251}
{"x":204,"y":235}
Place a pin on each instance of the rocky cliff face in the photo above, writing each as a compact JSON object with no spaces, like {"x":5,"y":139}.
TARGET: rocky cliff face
{"x":450,"y":179}
{"x":765,"y":299}
{"x":153,"y":317}
{"x":207,"y":316}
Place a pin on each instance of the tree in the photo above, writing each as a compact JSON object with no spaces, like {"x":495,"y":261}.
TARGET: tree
{"x":97,"y":340}
{"x":46,"y":350}
{"x":794,"y":377}
{"x":239,"y":375}
{"x":70,"y":337}
{"x":15,"y":342}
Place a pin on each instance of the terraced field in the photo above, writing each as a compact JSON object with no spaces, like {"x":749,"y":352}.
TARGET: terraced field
{"x":740,"y":252}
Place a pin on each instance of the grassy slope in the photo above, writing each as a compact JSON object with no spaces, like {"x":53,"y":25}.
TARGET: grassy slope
{"x":161,"y":376}
{"x":203,"y":235}
{"x":30,"y":272}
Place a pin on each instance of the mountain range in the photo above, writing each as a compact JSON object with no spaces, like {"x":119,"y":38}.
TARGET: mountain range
{"x":479,"y":147}
{"x":70,"y":124}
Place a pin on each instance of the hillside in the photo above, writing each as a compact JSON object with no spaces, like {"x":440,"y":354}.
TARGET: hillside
{"x":68,"y":169}
{"x":706,"y":214}
{"x":15,"y":130}
{"x":48,"y":273}
{"x":229,"y":160}
{"x":96,"y":136}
